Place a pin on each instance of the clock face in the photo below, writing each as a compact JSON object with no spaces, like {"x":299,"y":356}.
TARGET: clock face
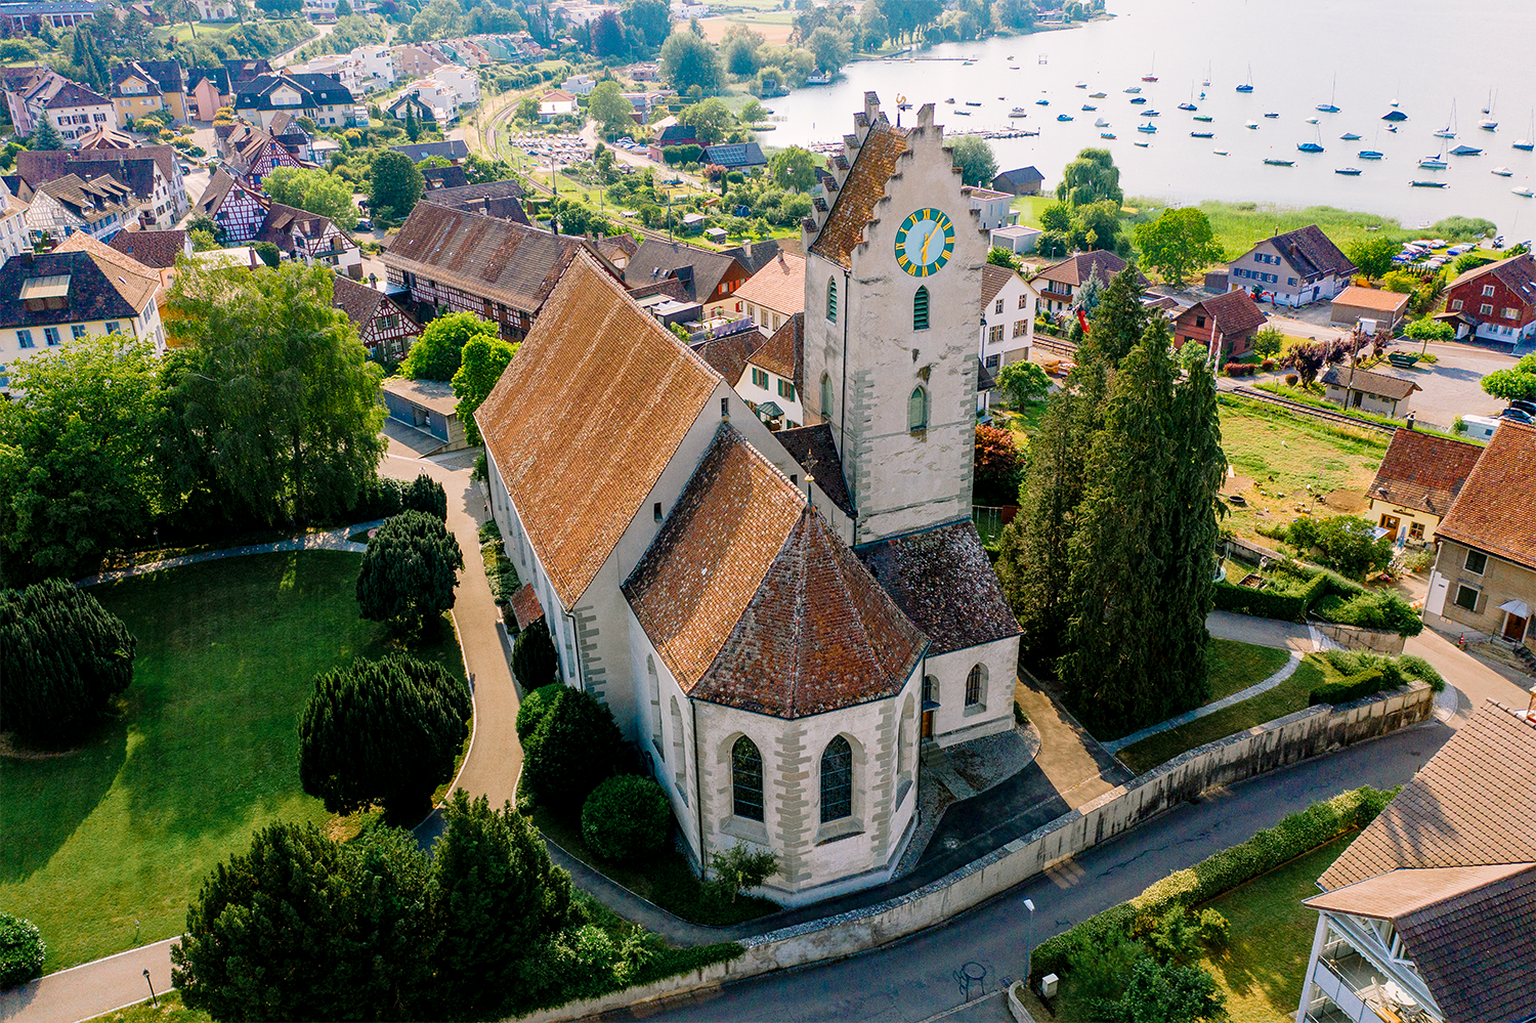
{"x":924,"y":242}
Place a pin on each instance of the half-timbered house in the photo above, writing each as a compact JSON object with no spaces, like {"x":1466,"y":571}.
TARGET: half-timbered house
{"x":234,"y":206}
{"x":384,"y":328}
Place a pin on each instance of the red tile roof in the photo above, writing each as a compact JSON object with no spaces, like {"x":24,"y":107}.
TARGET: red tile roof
{"x":1423,"y":471}
{"x":784,"y":352}
{"x":1376,"y":299}
{"x":862,"y":189}
{"x":1496,"y":509}
{"x":1233,"y":313}
{"x":993,"y":279}
{"x":586,"y":417}
{"x":1518,"y":272}
{"x":779,"y":286}
{"x":754,"y":603}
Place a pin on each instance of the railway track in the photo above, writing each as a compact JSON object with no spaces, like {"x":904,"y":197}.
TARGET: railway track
{"x":1302,"y":408}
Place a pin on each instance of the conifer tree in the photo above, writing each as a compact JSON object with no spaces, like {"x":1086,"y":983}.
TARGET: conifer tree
{"x":45,"y":136}
{"x":409,"y":570}
{"x":1118,"y":553}
{"x":1119,"y":318}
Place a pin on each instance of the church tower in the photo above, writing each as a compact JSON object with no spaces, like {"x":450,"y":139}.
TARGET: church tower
{"x":892,"y":313}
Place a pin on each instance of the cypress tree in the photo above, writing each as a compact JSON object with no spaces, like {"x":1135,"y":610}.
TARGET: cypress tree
{"x":382,"y":732}
{"x":1119,"y":318}
{"x":1118,"y":552}
{"x":1199,"y":468}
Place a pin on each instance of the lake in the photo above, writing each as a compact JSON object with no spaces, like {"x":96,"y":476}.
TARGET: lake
{"x":1377,"y":52}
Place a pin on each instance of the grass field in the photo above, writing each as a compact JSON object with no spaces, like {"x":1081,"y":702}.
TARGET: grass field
{"x":1261,"y":971}
{"x":1235,"y":666}
{"x":1286,"y":698}
{"x":1238,"y":225}
{"x":1280,"y":454}
{"x":168,"y":1009}
{"x":104,"y":847}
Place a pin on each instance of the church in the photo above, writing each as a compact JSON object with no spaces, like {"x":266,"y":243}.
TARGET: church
{"x":778,"y":620}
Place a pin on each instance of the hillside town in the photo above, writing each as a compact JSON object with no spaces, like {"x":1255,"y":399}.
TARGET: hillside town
{"x":504,"y":517}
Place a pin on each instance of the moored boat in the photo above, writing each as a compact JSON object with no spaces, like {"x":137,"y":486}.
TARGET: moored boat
{"x":1350,"y":136}
{"x":1279,"y":163}
{"x":1202,"y":134}
{"x":1350,"y":171}
{"x":1428,"y":184}
{"x":1370,"y":154}
{"x":1503,"y":172}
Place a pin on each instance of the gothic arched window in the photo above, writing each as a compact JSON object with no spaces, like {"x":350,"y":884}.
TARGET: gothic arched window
{"x":974,"y":685}
{"x":920,"y":309}
{"x":836,"y":781}
{"x":832,"y":299}
{"x":746,"y":780}
{"x":917,"y":410}
{"x":826,"y":396}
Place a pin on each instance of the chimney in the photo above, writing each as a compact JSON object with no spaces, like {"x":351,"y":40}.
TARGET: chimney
{"x":925,"y":116}
{"x":871,"y":107}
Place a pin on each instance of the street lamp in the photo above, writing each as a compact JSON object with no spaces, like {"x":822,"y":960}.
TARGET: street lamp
{"x":151,"y":984}
{"x":1029,"y":939}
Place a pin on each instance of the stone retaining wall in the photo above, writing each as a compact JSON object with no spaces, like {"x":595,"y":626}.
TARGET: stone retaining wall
{"x":1287,"y":740}
{"x":1352,"y":637}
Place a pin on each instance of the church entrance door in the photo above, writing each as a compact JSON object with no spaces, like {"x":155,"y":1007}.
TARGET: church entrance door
{"x":927,"y":724}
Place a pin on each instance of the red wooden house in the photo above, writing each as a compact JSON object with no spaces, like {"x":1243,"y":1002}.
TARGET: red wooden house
{"x":1225,"y":325}
{"x":1496,"y":302}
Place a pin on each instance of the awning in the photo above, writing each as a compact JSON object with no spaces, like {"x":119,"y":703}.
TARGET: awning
{"x":1518,"y":608}
{"x":769,"y":410}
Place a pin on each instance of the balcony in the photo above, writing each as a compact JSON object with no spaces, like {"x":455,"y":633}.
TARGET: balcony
{"x":1354,"y":989}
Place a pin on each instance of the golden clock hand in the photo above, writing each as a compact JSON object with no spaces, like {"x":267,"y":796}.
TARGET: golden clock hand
{"x":923,"y":257}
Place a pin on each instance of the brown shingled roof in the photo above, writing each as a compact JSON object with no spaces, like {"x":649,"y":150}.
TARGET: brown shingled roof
{"x":1466,"y":929}
{"x":864,"y":186}
{"x":507,"y":262}
{"x":1494,"y":511}
{"x":816,"y":451}
{"x":1078,"y":268}
{"x":993,"y":279}
{"x":1311,"y":253}
{"x":728,"y":355}
{"x":784,"y":352}
{"x":1473,"y":804}
{"x":1423,"y":471}
{"x":586,"y":417}
{"x":942,"y":580}
{"x":1370,"y":382}
{"x":526,"y":608}
{"x":151,"y":248}
{"x":753,"y":603}
{"x":1234,"y":312}
{"x":779,"y":286}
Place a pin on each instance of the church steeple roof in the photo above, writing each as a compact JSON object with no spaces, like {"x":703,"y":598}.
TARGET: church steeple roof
{"x":843,"y":230}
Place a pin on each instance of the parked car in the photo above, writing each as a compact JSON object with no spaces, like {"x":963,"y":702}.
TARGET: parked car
{"x":1528,"y":407}
{"x":1516,"y":415}
{"x":365,"y":225}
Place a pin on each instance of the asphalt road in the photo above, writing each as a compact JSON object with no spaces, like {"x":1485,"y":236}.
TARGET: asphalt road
{"x":915,"y":979}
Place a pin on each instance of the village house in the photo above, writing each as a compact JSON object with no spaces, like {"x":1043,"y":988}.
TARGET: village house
{"x":555,"y":103}
{"x":774,"y":293}
{"x":208,"y":89}
{"x":1007,"y":318}
{"x":100,"y":208}
{"x":1419,"y":478}
{"x":452,"y":150}
{"x":104,"y":138}
{"x":34,"y":92}
{"x":14,"y":238}
{"x":320,"y":98}
{"x":1296,"y":268}
{"x":673,"y":134}
{"x":1484,"y":579}
{"x":417,"y":60}
{"x":856,"y":618}
{"x":311,"y":238}
{"x":151,"y":173}
{"x":1019,"y":181}
{"x":737,"y":156}
{"x":1366,"y":390}
{"x":215,"y":10}
{"x":709,"y":277}
{"x":1224,"y":325}
{"x":237,"y":208}
{"x":1016,"y":239}
{"x":448,"y":260}
{"x":1496,"y":302}
{"x":384,"y":328}
{"x":253,"y":153}
{"x":1058,"y":283}
{"x":775,"y":373}
{"x":81,"y":288}
{"x":142,"y":87}
{"x":1427,"y":916}
{"x":1385,"y":309}
{"x":994,"y":209}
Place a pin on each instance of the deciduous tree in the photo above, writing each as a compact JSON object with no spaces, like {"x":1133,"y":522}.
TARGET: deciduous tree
{"x":382,"y":732}
{"x":793,"y":169}
{"x":1178,"y":243}
{"x":830,"y":49}
{"x":63,"y":659}
{"x":315,"y":191}
{"x":710,"y":120}
{"x":273,"y":398}
{"x":973,"y":155}
{"x":438,"y":353}
{"x":395,"y":184}
{"x":1023,"y":382}
{"x":610,"y":109}
{"x":999,"y":467}
{"x":481,"y":364}
{"x":1517,"y":382}
{"x":651,"y":18}
{"x":688,"y":61}
{"x":1372,"y":255}
{"x":1092,"y":177}
{"x":409,"y":570}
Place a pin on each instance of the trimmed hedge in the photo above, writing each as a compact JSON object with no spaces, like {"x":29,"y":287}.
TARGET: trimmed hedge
{"x":1356,"y":686}
{"x":21,"y":951}
{"x":1326,"y":595}
{"x":1240,"y":369}
{"x":1215,"y":875}
{"x":1289,"y":605}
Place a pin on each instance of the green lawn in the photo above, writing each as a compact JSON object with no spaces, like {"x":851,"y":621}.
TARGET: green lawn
{"x":1261,"y":971}
{"x":1287,"y":697}
{"x":168,"y":1009}
{"x":1280,"y":453}
{"x":1235,"y":666}
{"x":104,"y":847}
{"x":1238,"y":225}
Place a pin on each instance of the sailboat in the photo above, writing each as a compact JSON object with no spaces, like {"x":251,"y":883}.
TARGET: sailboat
{"x":1148,"y":128}
{"x":1529,"y":142}
{"x":1206,"y":81}
{"x":1371,"y":154}
{"x":1488,"y":123}
{"x":1248,"y":85}
{"x":1436,"y":162}
{"x":1151,"y":75}
{"x":1449,"y":131}
{"x":1315,"y":146}
{"x":1329,"y":108}
{"x":1190,"y":104}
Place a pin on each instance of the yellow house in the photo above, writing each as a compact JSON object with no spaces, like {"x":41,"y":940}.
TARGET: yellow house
{"x":143,"y":87}
{"x":1418,"y":479}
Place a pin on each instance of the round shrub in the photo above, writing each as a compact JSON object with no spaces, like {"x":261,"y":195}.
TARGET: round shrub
{"x":21,"y":951}
{"x":534,"y":660}
{"x":626,"y":817}
{"x":1291,"y":379}
{"x":1215,"y":932}
{"x":535,"y":705}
